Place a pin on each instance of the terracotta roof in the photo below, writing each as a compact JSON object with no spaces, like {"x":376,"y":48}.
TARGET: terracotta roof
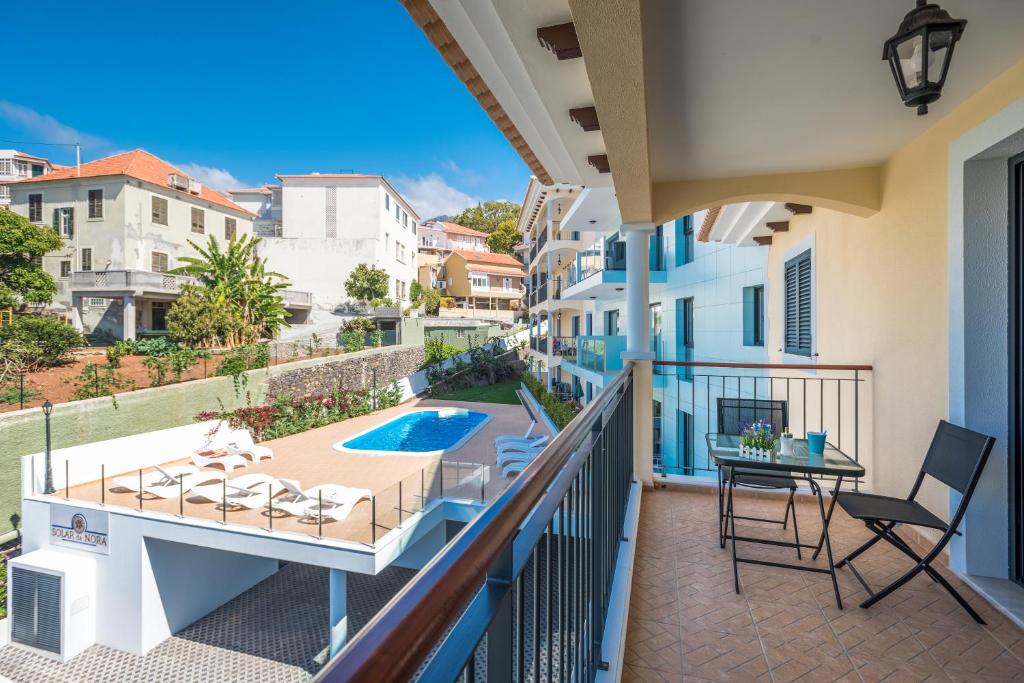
{"x":140,"y":165}
{"x":31,"y":156}
{"x":502,"y":261}
{"x":704,"y":234}
{"x":251,"y":190}
{"x":457,"y":229}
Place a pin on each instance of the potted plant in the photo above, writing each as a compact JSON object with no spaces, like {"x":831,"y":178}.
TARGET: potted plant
{"x":786,"y":442}
{"x":757,"y":440}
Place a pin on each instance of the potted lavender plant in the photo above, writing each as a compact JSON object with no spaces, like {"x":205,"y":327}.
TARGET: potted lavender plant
{"x":758,"y":440}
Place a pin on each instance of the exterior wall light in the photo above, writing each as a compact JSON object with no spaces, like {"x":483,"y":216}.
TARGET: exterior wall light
{"x":920,"y":53}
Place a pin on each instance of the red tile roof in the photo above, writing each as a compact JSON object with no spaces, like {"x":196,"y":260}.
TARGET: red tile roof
{"x":499,"y":263}
{"x":140,"y":165}
{"x":457,"y":229}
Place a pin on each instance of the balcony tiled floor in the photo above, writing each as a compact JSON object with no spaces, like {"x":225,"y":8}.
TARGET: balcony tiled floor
{"x":687,"y":623}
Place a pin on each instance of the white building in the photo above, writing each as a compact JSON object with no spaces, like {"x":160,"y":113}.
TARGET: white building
{"x":316,"y":228}
{"x":125,"y":221}
{"x":15,"y":165}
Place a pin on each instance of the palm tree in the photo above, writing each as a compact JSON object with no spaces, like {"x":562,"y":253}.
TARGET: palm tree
{"x":238,"y":279}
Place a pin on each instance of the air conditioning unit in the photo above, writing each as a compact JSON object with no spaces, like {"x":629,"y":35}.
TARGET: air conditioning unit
{"x":194,"y":186}
{"x":440,"y":284}
{"x":51,"y":603}
{"x":177,"y":181}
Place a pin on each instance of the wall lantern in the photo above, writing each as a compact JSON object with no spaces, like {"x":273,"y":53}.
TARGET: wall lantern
{"x":920,"y":53}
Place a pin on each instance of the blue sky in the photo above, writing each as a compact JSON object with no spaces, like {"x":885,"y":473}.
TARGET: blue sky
{"x":235,"y":92}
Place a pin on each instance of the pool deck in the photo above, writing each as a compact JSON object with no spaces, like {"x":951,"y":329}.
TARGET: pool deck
{"x":311,"y":459}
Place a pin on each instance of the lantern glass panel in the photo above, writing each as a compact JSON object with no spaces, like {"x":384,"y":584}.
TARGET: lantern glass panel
{"x":909,"y":53}
{"x":939,"y":44}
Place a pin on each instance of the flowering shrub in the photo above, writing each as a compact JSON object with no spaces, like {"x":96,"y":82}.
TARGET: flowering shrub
{"x":560,"y":412}
{"x":285,"y":415}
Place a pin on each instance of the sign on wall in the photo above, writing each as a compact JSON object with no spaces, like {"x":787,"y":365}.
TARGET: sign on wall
{"x":80,"y":529}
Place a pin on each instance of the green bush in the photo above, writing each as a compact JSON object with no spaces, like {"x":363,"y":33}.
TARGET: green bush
{"x":97,"y":381}
{"x":198,"y":319}
{"x":118,"y":350}
{"x":352,"y":341}
{"x":377,"y":338}
{"x":436,"y":350}
{"x":37,"y":341}
{"x":176,"y":364}
{"x":361,"y":325}
{"x":156,"y":346}
{"x":389,"y":397}
{"x":11,"y":394}
{"x":561,"y":413}
{"x":243,"y":358}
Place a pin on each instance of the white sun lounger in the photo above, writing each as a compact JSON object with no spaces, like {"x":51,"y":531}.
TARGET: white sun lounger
{"x":515,"y":460}
{"x":338,"y":500}
{"x":183,"y":483}
{"x":513,"y":448}
{"x":503,"y":441}
{"x":251,"y":491}
{"x":157,"y":477}
{"x":229,"y":461}
{"x":241,"y":443}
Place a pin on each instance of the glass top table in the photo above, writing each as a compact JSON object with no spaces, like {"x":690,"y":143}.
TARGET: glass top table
{"x":724,"y":450}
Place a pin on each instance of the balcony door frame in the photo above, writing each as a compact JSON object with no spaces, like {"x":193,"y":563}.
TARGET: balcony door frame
{"x":1015,"y":359}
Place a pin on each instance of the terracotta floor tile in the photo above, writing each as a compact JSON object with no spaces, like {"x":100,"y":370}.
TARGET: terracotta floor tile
{"x":639,"y":674}
{"x":876,"y":670}
{"x":723,"y":657}
{"x":976,"y":652}
{"x":653,"y":645}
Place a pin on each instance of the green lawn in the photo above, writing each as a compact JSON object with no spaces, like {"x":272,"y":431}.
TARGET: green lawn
{"x":502,"y":392}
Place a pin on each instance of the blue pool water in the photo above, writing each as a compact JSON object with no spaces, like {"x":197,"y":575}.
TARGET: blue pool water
{"x":426,"y":431}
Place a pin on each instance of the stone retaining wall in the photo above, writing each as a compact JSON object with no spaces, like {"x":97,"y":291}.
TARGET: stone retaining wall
{"x":349,"y":371}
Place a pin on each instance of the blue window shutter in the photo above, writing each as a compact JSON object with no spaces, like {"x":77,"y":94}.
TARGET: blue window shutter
{"x":748,"y":316}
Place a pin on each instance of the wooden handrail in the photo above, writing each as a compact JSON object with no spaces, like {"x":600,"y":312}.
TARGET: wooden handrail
{"x":400,"y":637}
{"x":762,"y":366}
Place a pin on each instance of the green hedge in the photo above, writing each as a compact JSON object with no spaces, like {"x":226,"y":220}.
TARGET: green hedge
{"x":561,"y":413}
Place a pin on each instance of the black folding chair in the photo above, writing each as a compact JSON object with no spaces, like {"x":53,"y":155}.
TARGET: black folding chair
{"x":956,"y":457}
{"x":733,"y":413}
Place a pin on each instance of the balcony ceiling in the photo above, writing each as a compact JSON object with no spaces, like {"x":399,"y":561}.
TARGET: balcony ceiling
{"x":750,"y":87}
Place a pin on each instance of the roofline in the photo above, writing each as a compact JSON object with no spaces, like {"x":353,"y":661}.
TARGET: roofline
{"x":351,"y":176}
{"x":427,"y":18}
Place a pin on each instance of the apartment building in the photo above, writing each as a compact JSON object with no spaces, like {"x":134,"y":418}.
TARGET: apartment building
{"x":706,"y":303}
{"x":15,"y":165}
{"x":441,"y":238}
{"x":126,"y":220}
{"x":317,"y":227}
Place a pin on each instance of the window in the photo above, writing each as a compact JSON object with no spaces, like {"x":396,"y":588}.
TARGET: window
{"x":95,"y":203}
{"x":400,"y":252}
{"x":35,"y":208}
{"x":590,"y":323}
{"x":684,"y":335}
{"x":506,"y":283}
{"x":230,"y":228}
{"x":159,"y":262}
{"x":65,"y":269}
{"x":753,"y":316}
{"x":387,"y":202}
{"x":656,"y":247}
{"x":405,"y":219}
{"x":684,"y":430}
{"x":655,"y":331}
{"x":478,"y":280}
{"x":387,"y":242}
{"x":611,"y":323}
{"x":684,"y":240}
{"x":798,"y":281}
{"x":96,"y":302}
{"x":5,"y":192}
{"x":460,"y":333}
{"x":5,"y":167}
{"x":85,"y":256}
{"x":159,"y":210}
{"x":37,"y":170}
{"x":397,"y":212}
{"x":198,"y":220}
{"x":64,"y":222}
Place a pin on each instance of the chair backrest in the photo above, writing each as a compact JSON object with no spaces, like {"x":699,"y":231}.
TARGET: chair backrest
{"x":292,"y":486}
{"x":735,"y":414}
{"x":957,"y":457}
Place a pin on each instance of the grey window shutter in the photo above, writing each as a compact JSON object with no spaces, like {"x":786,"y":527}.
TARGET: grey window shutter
{"x":798,"y":283}
{"x":56,"y":220}
{"x":71,"y":222}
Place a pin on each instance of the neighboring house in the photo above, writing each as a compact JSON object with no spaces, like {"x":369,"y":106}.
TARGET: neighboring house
{"x":441,"y":238}
{"x":482,"y":281}
{"x":15,"y":165}
{"x":316,"y":228}
{"x":706,"y":303}
{"x":126,"y":220}
{"x":265,"y":202}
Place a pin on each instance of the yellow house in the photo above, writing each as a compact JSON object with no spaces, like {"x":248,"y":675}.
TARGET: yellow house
{"x":481,"y":280}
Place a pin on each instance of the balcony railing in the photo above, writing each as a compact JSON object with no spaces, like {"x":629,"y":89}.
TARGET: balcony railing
{"x":295,"y":297}
{"x":564,"y":347}
{"x":114,"y":280}
{"x":522,"y":592}
{"x":600,"y":353}
{"x":710,"y":397}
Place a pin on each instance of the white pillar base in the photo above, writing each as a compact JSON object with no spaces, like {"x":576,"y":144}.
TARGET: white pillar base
{"x":339,"y":610}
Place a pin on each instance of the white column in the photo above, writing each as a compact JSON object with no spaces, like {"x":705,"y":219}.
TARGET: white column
{"x":128,"y":323}
{"x":638,"y":347}
{"x":76,"y":312}
{"x":339,"y":610}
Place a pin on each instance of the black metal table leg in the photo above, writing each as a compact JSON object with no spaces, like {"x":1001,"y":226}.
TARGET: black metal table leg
{"x":732,"y":529}
{"x":825,"y":518}
{"x":831,"y":507}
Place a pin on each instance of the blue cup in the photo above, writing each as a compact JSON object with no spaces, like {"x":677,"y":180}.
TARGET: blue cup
{"x":816,"y":442}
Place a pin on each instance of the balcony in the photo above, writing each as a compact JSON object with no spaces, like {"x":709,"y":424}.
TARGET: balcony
{"x":600,"y":283}
{"x":295,"y":298}
{"x":503,"y":292}
{"x":115,"y":283}
{"x":597,"y":357}
{"x":564,"y":347}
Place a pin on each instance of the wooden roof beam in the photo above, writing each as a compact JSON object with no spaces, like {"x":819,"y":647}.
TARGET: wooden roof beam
{"x":561,"y":39}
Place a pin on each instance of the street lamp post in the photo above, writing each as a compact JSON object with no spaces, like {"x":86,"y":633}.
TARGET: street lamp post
{"x":48,"y":485}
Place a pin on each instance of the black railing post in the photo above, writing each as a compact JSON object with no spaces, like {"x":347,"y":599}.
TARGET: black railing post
{"x":499,"y":633}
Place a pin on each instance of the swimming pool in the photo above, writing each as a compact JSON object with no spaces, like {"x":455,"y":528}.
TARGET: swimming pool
{"x":422,"y":432}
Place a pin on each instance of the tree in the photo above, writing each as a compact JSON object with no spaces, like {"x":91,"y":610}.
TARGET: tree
{"x":198,"y":319}
{"x":238,"y":279}
{"x":22,"y":244}
{"x":487,"y":216}
{"x":367,"y":283}
{"x":505,"y":238}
